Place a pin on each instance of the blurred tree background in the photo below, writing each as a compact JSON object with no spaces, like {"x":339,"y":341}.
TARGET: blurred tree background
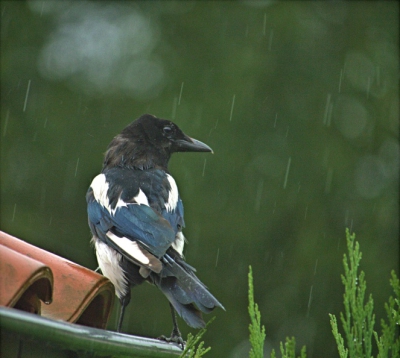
{"x":299,"y":101}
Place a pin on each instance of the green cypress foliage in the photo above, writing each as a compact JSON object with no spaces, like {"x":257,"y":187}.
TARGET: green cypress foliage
{"x":257,"y":332}
{"x":389,"y":342}
{"x":358,"y":319}
{"x":289,"y":349}
{"x":190,"y":350}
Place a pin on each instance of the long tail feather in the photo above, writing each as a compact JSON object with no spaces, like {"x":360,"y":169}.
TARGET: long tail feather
{"x":186,"y":292}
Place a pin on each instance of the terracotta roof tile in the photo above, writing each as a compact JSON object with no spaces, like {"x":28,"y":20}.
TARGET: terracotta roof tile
{"x":79,"y":294}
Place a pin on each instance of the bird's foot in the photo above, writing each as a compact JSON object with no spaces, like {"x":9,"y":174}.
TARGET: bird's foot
{"x":176,"y":337}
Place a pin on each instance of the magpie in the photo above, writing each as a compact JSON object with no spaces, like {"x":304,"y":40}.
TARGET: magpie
{"x":135,"y":215}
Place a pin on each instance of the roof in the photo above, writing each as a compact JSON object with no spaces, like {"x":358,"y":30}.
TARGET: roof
{"x":31,"y":276}
{"x":49,"y":299}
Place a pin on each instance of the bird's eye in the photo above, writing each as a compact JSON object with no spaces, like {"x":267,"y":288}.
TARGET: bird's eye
{"x":167,"y":130}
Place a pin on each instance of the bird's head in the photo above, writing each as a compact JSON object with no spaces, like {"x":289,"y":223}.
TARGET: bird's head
{"x":162,"y":133}
{"x":149,"y":142}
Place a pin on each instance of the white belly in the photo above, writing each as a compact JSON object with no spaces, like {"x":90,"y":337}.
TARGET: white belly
{"x":179,"y":243}
{"x":108,"y":260}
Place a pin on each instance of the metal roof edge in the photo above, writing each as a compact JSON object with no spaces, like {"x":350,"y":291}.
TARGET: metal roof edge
{"x":82,"y":338}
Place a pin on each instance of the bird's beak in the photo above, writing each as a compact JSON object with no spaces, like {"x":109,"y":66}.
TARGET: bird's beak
{"x":188,"y":144}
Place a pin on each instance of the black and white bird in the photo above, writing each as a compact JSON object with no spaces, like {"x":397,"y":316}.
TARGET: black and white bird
{"x":136,"y":218}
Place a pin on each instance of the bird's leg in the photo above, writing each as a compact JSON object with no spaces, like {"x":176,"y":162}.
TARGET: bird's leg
{"x":176,"y":336}
{"x":176,"y":333}
{"x":124,"y":302}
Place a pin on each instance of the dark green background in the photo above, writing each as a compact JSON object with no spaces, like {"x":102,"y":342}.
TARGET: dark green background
{"x":299,"y":101}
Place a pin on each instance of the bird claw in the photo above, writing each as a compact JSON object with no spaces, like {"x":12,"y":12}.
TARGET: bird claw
{"x":175,"y":338}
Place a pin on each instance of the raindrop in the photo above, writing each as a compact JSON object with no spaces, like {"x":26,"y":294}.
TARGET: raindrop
{"x":51,"y":220}
{"x":180,"y":94}
{"x":45,"y":123}
{"x":328,"y":110}
{"x":340,"y":80}
{"x":287,"y":172}
{"x":15,"y":209}
{"x":273,"y":211}
{"x":265,"y":24}
{"x":76,"y":168}
{"x":6,"y":122}
{"x":276,"y":118}
{"x":305,"y":214}
{"x":287,"y":132}
{"x":309,"y":301}
{"x":216,"y":123}
{"x":271,"y":35}
{"x":41,"y":9}
{"x":233,"y":103}
{"x":216,"y":260}
{"x":204,"y":167}
{"x":315,"y":267}
{"x":26,"y":95}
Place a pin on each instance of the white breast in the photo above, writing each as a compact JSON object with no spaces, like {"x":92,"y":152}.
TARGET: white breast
{"x":179,"y":243}
{"x":108,"y":260}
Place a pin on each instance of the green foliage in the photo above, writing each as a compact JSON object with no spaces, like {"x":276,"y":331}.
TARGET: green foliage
{"x":289,"y":349}
{"x":389,"y":342}
{"x":190,"y":350}
{"x":257,"y":332}
{"x":343,"y":352}
{"x":358,"y":320}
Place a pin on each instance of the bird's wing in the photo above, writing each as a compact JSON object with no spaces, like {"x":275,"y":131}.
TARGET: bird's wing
{"x":124,"y":217}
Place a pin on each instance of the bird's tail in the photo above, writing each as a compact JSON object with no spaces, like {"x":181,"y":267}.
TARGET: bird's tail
{"x":188,"y":295}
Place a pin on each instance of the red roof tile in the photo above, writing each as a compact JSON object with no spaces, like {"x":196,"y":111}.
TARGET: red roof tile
{"x":27,"y":273}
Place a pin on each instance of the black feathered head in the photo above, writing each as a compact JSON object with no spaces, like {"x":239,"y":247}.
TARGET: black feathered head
{"x":149,"y":142}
